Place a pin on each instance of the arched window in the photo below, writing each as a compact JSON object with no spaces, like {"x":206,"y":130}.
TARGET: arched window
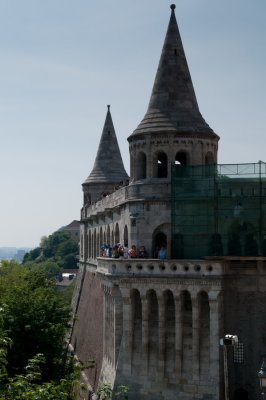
{"x":89,"y":246}
{"x":94,"y":244}
{"x":126,"y":236}
{"x":117,"y":236}
{"x":141,"y":166}
{"x":181,"y":158}
{"x":101,"y":237}
{"x":161,"y":165}
{"x":108,"y":237}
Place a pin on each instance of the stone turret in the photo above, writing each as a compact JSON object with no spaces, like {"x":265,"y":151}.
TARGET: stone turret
{"x":108,"y":171}
{"x":173,"y":129}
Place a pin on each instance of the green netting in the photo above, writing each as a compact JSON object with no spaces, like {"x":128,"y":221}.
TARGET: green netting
{"x":219,"y":210}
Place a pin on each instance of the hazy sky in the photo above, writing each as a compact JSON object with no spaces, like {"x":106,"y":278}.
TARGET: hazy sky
{"x":63,"y":61}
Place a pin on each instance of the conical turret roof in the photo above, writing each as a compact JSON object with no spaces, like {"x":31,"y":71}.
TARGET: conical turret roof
{"x":173,"y":105}
{"x":108,"y":165}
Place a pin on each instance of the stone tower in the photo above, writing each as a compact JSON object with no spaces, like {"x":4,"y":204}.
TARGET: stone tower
{"x":154,"y":325}
{"x":173,"y":129}
{"x":108,"y":171}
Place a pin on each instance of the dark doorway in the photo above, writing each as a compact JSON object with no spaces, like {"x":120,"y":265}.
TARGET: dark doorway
{"x":159,"y":240}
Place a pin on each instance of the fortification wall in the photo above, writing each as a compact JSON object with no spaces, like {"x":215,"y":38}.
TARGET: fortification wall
{"x":87,"y":335}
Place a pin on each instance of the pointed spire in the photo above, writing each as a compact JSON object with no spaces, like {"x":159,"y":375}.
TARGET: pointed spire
{"x":173,"y":105}
{"x":108,"y":166}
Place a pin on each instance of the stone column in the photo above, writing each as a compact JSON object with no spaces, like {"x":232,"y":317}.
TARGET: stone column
{"x":178,"y":336}
{"x":195,"y":336}
{"x":214,"y":338}
{"x":118,"y":318}
{"x":108,"y":324}
{"x":127,"y":331}
{"x":145,"y":338}
{"x":161,"y":316}
{"x":112,"y":329}
{"x":105,"y":322}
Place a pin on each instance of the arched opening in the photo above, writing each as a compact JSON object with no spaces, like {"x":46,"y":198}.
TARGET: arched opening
{"x":209,"y":158}
{"x":108,"y":236}
{"x":94,"y":243}
{"x":137,"y":330}
{"x":97,"y":253}
{"x":126,"y":236}
{"x":101,"y":237}
{"x":153,"y":332}
{"x":169,"y":305}
{"x":204,"y":336}
{"x":141,"y":166}
{"x":181,"y":158}
{"x":240,"y":394}
{"x":186,"y":318}
{"x":161,"y":165}
{"x":117,"y":238}
{"x":89,"y":247}
{"x":159,"y":241}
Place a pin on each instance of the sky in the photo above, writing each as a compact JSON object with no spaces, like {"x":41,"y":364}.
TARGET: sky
{"x":63,"y":61}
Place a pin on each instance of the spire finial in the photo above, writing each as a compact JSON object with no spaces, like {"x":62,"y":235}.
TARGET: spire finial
{"x":108,"y":106}
{"x":172,"y":6}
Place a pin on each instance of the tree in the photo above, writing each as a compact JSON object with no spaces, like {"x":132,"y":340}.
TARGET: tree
{"x":58,"y":247}
{"x":36,"y":317}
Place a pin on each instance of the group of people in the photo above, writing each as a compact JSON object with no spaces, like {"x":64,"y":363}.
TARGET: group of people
{"x":121,"y":250}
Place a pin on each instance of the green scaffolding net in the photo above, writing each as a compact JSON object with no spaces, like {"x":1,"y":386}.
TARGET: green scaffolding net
{"x":219,"y":210}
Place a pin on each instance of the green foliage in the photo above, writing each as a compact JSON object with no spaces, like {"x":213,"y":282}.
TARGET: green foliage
{"x":29,"y":386}
{"x":35,"y":317}
{"x":105,"y":392}
{"x":58,"y":248}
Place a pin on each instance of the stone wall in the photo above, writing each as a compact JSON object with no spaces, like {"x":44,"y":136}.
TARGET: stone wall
{"x":87,"y":335}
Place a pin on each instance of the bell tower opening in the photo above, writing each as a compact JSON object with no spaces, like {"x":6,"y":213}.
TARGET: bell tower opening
{"x":141,"y":170}
{"x":181,"y":158}
{"x":161,"y":165}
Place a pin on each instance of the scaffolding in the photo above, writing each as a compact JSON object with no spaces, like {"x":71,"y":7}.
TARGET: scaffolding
{"x":219,"y":210}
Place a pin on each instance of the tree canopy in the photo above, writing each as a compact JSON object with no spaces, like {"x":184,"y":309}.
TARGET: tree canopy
{"x":34,"y":320}
{"x":59,"y":248}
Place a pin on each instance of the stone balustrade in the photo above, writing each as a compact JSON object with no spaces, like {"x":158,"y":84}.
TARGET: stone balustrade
{"x":155,"y":267}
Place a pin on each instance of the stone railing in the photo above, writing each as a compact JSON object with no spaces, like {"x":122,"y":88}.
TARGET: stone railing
{"x":126,"y":193}
{"x":155,"y":267}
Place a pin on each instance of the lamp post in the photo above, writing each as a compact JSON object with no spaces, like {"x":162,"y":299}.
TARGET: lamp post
{"x":228,"y":340}
{"x":262,"y":377}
